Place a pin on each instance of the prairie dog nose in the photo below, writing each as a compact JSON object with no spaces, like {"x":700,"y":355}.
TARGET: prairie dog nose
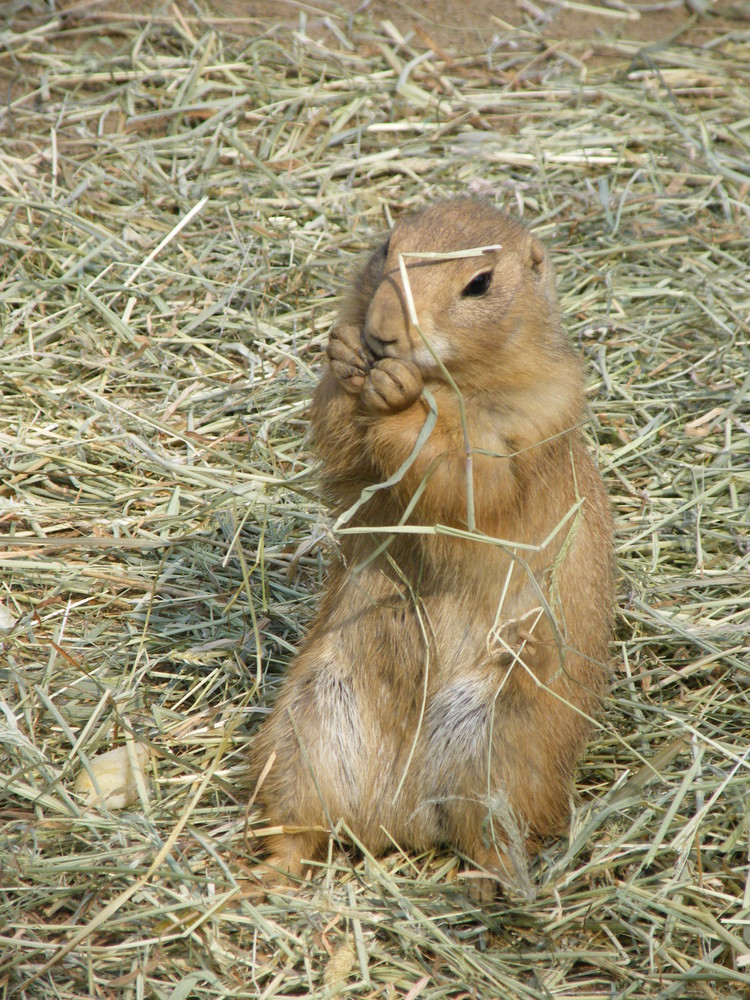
{"x":385,"y":323}
{"x":376,"y":337}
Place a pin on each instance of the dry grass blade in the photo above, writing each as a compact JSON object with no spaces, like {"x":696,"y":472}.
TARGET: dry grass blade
{"x":179,"y":196}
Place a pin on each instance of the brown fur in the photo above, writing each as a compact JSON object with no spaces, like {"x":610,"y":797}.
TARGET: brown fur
{"x":445,"y":685}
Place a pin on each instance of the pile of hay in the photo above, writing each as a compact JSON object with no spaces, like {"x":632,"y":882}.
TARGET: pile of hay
{"x":179,"y":198}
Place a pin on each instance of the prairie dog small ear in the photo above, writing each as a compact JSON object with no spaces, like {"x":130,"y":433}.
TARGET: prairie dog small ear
{"x":538,"y":255}
{"x":542,"y":269}
{"x":372,"y":272}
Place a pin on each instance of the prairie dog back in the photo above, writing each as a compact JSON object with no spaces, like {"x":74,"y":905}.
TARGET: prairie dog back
{"x":443,"y":694}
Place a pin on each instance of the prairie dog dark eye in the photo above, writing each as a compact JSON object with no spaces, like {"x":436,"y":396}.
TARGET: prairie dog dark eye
{"x":478,"y":284}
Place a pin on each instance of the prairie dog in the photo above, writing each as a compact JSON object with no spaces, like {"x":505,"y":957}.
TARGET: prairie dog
{"x":445,"y":689}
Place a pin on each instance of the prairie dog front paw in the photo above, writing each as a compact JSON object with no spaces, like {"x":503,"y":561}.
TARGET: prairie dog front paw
{"x":392,"y":385}
{"x":350,"y":360}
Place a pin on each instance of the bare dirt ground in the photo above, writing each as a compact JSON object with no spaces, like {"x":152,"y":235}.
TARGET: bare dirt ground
{"x":461,"y":27}
{"x":468,"y":26}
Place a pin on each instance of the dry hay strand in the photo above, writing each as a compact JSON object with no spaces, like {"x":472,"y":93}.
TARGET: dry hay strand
{"x":179,"y":197}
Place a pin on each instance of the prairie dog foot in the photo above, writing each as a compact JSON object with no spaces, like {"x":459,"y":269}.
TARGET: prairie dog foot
{"x":502,"y":874}
{"x":287,"y":853}
{"x":350,"y":360}
{"x":392,"y":385}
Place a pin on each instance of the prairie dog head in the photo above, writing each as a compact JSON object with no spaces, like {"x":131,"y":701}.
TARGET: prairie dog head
{"x":496,"y":311}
